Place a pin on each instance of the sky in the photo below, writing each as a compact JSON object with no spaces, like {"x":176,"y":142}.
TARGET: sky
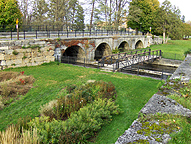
{"x":183,"y":5}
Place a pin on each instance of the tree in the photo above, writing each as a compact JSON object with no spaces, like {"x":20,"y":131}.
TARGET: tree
{"x":79,"y":18}
{"x":40,"y":10}
{"x":186,"y":30}
{"x":168,"y":21}
{"x":58,"y":12}
{"x":26,"y":7}
{"x":142,"y":13}
{"x":9,"y":12}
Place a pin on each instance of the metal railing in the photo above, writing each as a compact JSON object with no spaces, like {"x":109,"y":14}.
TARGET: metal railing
{"x":121,"y":60}
{"x":44,"y":31}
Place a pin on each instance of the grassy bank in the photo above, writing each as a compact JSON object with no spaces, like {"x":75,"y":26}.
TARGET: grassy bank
{"x":174,"y":49}
{"x":132,"y":94}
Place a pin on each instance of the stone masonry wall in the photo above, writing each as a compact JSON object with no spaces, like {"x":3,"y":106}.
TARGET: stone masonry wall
{"x":25,"y":53}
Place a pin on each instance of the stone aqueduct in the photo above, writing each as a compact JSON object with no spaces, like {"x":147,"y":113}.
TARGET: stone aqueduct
{"x":94,"y":48}
{"x":20,"y":53}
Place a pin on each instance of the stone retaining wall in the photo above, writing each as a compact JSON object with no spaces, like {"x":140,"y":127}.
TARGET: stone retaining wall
{"x":25,"y":53}
{"x":161,"y":104}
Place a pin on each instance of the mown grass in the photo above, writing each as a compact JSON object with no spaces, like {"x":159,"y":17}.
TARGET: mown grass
{"x":174,"y":49}
{"x":132,"y":94}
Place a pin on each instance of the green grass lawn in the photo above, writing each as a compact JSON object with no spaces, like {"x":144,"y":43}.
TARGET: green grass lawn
{"x":133,"y":93}
{"x":173,"y":47}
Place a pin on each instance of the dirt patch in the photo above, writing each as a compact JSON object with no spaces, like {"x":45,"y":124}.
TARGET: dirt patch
{"x":13,"y":85}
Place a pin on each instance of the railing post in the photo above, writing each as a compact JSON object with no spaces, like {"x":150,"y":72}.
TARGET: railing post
{"x":24,"y":33}
{"x":162,"y":75}
{"x":36,"y":34}
{"x":11,"y":35}
{"x":84,"y":63}
{"x":138,"y":70}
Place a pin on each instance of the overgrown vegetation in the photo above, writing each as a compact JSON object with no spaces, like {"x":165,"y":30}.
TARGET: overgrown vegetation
{"x":180,"y":92}
{"x":53,"y":81}
{"x":12,"y":86}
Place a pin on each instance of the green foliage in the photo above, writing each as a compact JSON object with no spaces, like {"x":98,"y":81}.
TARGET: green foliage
{"x":15,"y":52}
{"x":142,"y":14}
{"x":115,"y":51}
{"x":79,"y":127}
{"x":9,"y":12}
{"x":90,"y":118}
{"x":48,"y":132}
{"x":32,"y":47}
{"x":80,"y":96}
{"x":187,"y":52}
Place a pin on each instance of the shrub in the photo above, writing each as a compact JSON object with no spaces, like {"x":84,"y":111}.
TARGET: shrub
{"x":48,"y":132}
{"x":1,"y":103}
{"x":15,"y":52}
{"x":48,"y":109}
{"x":187,"y":52}
{"x":77,"y":98}
{"x":88,"y":120}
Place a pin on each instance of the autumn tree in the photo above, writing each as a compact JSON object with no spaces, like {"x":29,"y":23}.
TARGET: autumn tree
{"x":9,"y":12}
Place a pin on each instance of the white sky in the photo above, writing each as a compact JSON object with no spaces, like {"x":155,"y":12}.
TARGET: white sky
{"x":183,"y":5}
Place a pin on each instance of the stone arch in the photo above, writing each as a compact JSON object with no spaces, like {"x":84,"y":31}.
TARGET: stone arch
{"x":74,"y":52}
{"x":102,"y":50}
{"x":139,"y":44}
{"x":124,"y":46}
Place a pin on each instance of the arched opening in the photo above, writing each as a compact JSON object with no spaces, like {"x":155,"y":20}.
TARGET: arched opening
{"x":73,"y":54}
{"x":102,"y":50}
{"x":124,"y":46}
{"x":139,"y":45}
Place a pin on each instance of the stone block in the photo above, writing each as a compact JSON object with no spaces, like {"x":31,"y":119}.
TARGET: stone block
{"x":2,"y":56}
{"x":18,"y":61}
{"x":4,"y":48}
{"x":9,"y":62}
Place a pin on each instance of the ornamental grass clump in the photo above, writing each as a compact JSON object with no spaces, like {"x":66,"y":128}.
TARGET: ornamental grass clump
{"x":12,"y":135}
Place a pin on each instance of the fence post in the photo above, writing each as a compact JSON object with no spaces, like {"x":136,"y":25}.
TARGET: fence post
{"x":67,"y":32}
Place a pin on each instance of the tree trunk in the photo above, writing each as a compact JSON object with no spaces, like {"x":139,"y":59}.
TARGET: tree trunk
{"x":92,"y":14}
{"x":164,"y":35}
